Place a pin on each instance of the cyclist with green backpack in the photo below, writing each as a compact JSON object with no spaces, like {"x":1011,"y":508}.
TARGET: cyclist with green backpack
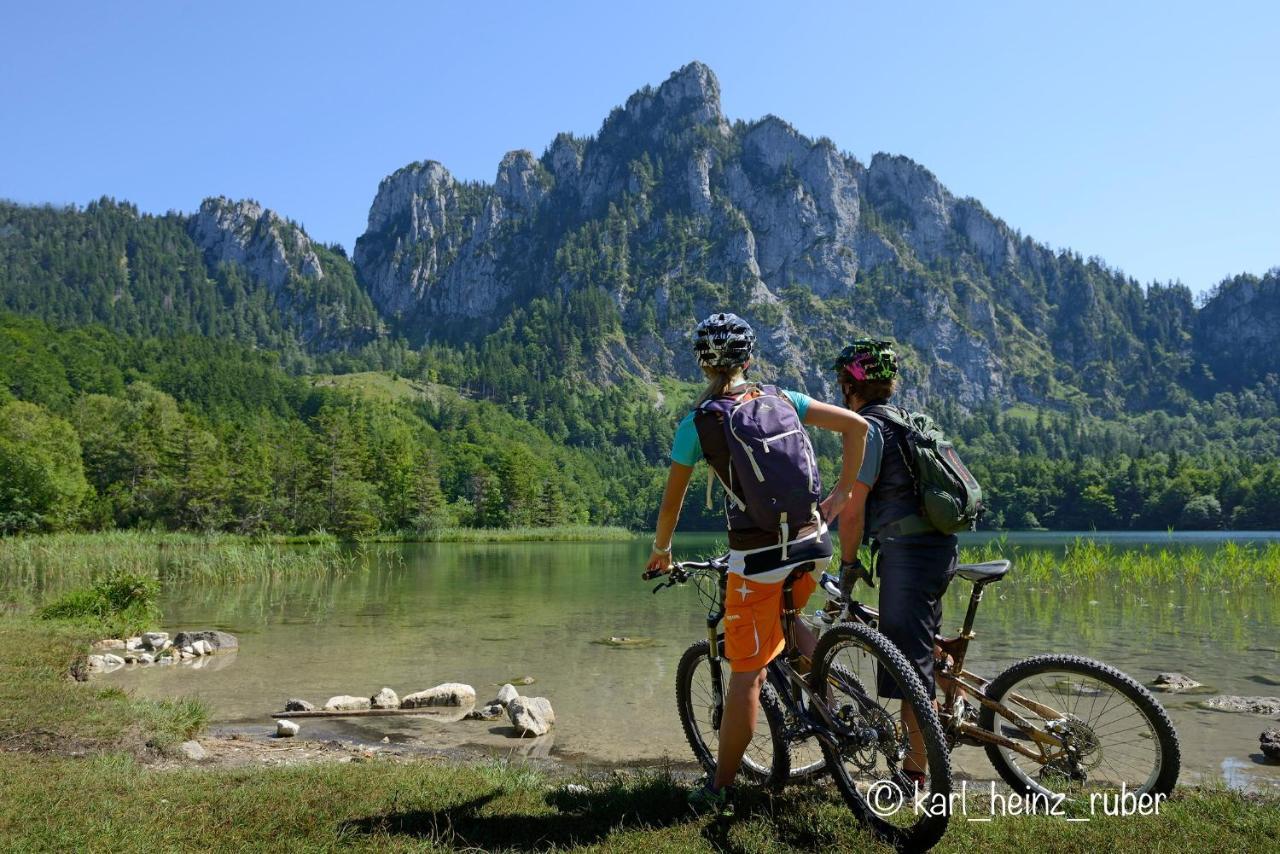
{"x":911,"y":496}
{"x":754,"y":441}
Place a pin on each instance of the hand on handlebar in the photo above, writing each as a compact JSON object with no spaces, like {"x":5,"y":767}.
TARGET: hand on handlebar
{"x":659,"y":564}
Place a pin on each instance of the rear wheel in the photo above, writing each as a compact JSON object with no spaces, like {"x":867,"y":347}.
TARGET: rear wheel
{"x":1113,"y":733}
{"x":871,"y":749}
{"x":767,"y":759}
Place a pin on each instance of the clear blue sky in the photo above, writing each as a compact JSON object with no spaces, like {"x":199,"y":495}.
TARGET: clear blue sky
{"x":1145,"y":133}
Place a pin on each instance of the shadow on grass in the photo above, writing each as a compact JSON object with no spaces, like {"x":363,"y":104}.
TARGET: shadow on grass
{"x":575,"y":818}
{"x":591,"y":817}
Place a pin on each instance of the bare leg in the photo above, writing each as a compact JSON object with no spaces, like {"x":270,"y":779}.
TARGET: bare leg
{"x":916,"y":758}
{"x":741,"y":703}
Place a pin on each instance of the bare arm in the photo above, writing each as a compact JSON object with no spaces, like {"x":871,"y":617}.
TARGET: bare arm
{"x":853,"y":427}
{"x":668,"y":515}
{"x":853,"y":520}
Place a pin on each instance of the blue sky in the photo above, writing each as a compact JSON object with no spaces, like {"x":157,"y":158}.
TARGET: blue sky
{"x":1144,"y":133}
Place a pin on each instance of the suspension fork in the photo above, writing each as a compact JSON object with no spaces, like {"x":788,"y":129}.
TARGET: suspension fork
{"x":714,"y":659}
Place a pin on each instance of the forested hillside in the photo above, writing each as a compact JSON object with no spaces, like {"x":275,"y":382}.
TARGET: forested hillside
{"x":515,"y":353}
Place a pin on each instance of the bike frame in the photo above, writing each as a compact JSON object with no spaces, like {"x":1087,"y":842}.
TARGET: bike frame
{"x":956,"y":682}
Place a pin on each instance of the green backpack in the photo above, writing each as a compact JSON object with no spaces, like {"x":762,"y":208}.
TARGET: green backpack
{"x":950,"y":497}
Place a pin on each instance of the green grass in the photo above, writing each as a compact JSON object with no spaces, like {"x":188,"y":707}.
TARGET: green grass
{"x":41,"y":708}
{"x":1227,"y":565}
{"x":111,"y":803}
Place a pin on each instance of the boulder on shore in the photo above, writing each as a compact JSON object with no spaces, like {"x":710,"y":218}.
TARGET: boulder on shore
{"x":507,"y":693}
{"x":531,"y":716}
{"x":1174,"y":682}
{"x":193,"y":750}
{"x":448,"y":694}
{"x":1269,"y":741}
{"x":385,"y":699}
{"x":295,"y":705}
{"x":1248,"y":705}
{"x":346,"y":703}
{"x":107,"y":644}
{"x":217,"y":641}
{"x":286,"y":729}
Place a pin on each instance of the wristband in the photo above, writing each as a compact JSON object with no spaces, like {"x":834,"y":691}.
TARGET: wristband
{"x":657,"y":550}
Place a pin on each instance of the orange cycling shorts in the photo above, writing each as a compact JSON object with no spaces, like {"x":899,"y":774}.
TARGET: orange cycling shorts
{"x":753,"y":618}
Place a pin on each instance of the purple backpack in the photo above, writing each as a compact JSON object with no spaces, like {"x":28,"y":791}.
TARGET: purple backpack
{"x":757,"y":447}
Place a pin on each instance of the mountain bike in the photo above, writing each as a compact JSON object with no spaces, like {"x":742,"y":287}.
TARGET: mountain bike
{"x":833,"y":700}
{"x":1062,"y":727}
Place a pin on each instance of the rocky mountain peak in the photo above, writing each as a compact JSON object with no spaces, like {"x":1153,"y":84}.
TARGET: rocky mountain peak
{"x":266,"y":245}
{"x":521,"y":183}
{"x":690,"y":97}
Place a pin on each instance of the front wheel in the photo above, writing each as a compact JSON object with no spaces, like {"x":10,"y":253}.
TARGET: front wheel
{"x":701,"y":706}
{"x":1109,"y":731}
{"x":892,"y":769}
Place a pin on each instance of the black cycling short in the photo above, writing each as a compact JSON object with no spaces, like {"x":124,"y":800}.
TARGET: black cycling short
{"x":913,"y":573}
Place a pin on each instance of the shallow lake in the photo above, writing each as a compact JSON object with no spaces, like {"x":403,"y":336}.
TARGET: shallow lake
{"x":424,"y":614}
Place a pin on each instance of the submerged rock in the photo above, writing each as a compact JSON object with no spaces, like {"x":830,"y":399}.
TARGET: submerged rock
{"x":1174,"y":682}
{"x":531,"y":716}
{"x":489,"y":712}
{"x":448,"y":694}
{"x":385,"y":699}
{"x":112,"y":660}
{"x":295,"y":705}
{"x":1246,"y":705}
{"x":346,"y":703}
{"x":286,"y":729}
{"x":1269,"y":741}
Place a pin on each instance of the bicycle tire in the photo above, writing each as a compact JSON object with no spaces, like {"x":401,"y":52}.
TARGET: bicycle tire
{"x":810,"y":771}
{"x":1169,"y":757}
{"x":775,"y":773}
{"x":929,"y":825}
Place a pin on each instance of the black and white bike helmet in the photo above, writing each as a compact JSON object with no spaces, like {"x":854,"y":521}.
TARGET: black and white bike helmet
{"x":723,"y":341}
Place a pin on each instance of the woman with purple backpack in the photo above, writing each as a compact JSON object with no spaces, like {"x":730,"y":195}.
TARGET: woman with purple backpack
{"x":753,"y":439}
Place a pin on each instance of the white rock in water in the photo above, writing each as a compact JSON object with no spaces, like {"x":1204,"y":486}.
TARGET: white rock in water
{"x":154,"y":640}
{"x":202,"y":647}
{"x":188,"y":650}
{"x":112,"y":660}
{"x":145,"y":658}
{"x":286,"y":729}
{"x":346,"y":703}
{"x":385,"y":699}
{"x":132,"y":643}
{"x":531,"y":715}
{"x":165,"y":659}
{"x":293,"y":704}
{"x":507,"y":693}
{"x":193,"y":750}
{"x":96,"y":662}
{"x":448,"y":694}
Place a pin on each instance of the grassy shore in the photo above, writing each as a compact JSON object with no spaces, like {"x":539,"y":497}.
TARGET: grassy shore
{"x":32,"y":569}
{"x":77,"y":772}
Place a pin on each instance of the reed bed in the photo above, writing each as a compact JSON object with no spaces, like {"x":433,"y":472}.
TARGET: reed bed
{"x":1229,"y":564}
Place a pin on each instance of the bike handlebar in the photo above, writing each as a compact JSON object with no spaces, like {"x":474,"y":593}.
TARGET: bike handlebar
{"x":684,"y":570}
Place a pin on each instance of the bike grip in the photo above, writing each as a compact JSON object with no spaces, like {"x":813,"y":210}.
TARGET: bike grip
{"x":651,"y":574}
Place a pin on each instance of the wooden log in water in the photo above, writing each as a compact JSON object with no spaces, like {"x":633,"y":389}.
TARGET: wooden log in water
{"x":370,"y":713}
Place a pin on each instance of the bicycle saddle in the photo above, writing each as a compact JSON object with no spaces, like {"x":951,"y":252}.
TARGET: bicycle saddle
{"x":981,"y":573}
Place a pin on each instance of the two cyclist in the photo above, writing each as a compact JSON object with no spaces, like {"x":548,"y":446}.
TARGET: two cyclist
{"x":751,"y":437}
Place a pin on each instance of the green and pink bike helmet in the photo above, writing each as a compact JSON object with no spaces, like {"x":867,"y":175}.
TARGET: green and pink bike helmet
{"x":867,"y":359}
